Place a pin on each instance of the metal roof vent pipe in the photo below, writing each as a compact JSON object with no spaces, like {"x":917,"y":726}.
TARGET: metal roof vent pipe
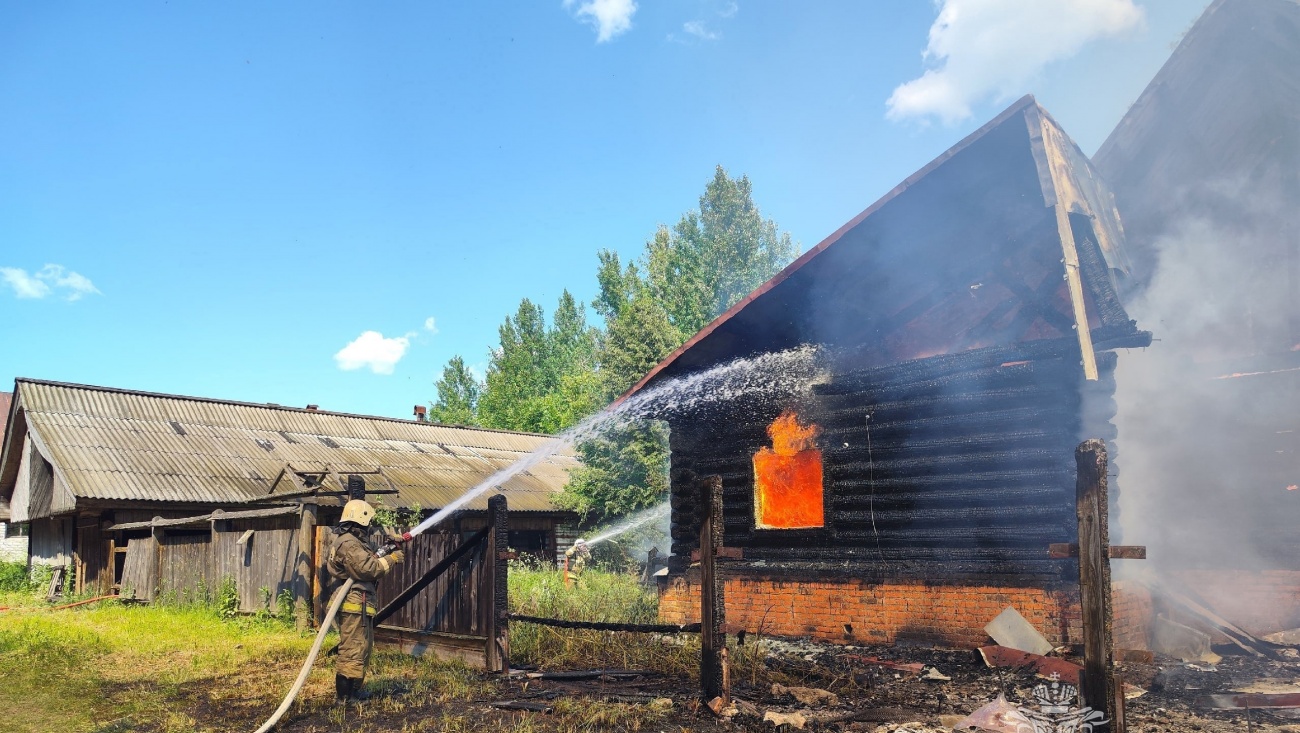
{"x":421,"y":413}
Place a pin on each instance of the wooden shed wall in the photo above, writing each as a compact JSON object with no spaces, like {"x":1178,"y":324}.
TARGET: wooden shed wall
{"x":93,"y":561}
{"x":184,"y":560}
{"x":51,"y":541}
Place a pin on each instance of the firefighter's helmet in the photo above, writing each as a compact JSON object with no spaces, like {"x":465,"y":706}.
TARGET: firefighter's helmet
{"x":358,"y":511}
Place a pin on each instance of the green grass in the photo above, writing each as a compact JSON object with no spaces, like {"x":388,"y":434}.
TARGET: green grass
{"x":600,"y":596}
{"x":14,"y":578}
{"x":95,"y":664}
{"x":182,"y":667}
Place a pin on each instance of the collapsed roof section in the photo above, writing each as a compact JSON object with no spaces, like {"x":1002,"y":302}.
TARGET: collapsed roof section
{"x":971,"y":251}
{"x":111,"y":445}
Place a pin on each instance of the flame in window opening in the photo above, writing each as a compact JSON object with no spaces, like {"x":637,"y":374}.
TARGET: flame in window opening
{"x":788,"y":477}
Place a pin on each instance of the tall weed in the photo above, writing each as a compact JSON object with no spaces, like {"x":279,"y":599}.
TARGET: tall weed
{"x":539,"y":590}
{"x":14,"y":577}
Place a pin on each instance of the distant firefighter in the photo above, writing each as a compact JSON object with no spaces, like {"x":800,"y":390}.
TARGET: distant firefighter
{"x":575,"y":561}
{"x":352,"y":557}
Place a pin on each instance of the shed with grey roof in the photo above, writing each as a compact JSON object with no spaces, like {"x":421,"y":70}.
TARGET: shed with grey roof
{"x":92,"y":469}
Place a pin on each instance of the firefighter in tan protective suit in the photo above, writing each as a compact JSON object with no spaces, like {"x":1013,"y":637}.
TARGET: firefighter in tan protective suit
{"x":352,"y":557}
{"x":575,"y":562}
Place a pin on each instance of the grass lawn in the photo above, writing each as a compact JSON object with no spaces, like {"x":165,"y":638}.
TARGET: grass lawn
{"x":113,"y":667}
{"x":88,"y":667}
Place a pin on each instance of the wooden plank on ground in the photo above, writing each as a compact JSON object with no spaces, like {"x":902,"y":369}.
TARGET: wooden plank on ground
{"x":1252,"y":700}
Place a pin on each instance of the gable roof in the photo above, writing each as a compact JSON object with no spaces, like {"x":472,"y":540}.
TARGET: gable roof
{"x":122,"y":445}
{"x":963,"y":254}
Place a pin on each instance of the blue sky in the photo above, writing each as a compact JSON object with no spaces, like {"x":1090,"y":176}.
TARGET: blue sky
{"x":218,"y":199}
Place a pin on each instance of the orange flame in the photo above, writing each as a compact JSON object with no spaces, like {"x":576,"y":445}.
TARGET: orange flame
{"x":788,"y":477}
{"x":788,"y":436}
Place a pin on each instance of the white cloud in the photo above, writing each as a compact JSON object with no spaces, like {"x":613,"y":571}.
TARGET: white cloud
{"x":729,"y":11}
{"x":992,"y":48}
{"x":24,"y":285}
{"x":609,"y":17}
{"x":371,"y":349}
{"x":431,"y":325}
{"x":699,"y":30}
{"x":46,"y":281}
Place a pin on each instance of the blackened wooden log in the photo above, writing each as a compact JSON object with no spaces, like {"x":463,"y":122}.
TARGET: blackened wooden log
{"x":498,"y":637}
{"x":712,"y":602}
{"x":560,"y":623}
{"x":532,"y":707}
{"x":1098,"y":679}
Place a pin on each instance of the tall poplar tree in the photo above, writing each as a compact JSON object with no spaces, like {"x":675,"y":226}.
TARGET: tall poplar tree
{"x":458,"y":393}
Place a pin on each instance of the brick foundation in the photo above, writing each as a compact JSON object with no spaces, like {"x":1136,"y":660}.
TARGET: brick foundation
{"x":849,"y":610}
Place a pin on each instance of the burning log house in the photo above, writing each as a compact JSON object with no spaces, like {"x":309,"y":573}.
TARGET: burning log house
{"x":970,"y":321}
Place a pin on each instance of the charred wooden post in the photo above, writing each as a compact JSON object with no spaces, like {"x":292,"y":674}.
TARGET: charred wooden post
{"x":713,"y":641}
{"x":498,"y":553}
{"x":1101,"y":690}
{"x":302,"y":580}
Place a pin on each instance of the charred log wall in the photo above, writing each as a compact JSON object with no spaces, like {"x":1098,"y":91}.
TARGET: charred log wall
{"x":947,"y":467}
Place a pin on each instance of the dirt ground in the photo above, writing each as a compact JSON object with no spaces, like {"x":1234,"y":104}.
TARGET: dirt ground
{"x":871,"y":697}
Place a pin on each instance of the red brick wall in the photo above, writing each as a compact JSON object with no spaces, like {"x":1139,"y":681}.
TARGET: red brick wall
{"x":944,"y":614}
{"x":1134,"y":611}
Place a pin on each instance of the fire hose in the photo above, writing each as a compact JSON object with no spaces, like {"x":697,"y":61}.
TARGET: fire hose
{"x":333,"y":611}
{"x":311,"y":658}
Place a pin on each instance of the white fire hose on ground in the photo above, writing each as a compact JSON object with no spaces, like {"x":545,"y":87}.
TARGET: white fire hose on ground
{"x":311,"y":658}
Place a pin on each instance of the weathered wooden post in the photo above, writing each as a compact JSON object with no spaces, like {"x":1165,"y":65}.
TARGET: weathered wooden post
{"x":713,"y":641}
{"x":1100,"y":689}
{"x":498,"y":554}
{"x":306,"y":567}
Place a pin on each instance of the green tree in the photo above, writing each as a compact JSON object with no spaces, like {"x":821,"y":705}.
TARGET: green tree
{"x":458,"y":394}
{"x":637,"y":339}
{"x":716,"y":255}
{"x":623,"y":470}
{"x":541,"y":379}
{"x":693,"y":272}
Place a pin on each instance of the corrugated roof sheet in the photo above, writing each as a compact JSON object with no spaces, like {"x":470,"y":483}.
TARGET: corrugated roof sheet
{"x":121,"y":445}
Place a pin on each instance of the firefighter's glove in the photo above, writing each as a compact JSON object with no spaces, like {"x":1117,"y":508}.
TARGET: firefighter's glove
{"x":395,"y":557}
{"x":393,"y":535}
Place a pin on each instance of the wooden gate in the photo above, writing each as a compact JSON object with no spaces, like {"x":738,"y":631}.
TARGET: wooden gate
{"x":449,"y":596}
